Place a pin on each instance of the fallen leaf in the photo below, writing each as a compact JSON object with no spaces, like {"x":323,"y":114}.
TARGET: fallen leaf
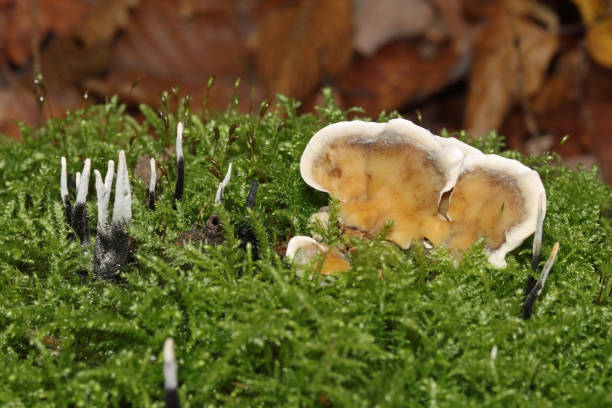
{"x":512,"y":55}
{"x":187,"y":45}
{"x":299,"y":45}
{"x":104,"y":20}
{"x":400,"y":73}
{"x":599,"y":42}
{"x":377,"y":23}
{"x":54,"y":16}
{"x":591,"y":10}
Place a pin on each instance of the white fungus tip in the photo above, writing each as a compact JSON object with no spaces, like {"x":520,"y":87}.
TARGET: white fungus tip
{"x":83,"y":182}
{"x":103,"y":194}
{"x":64,"y":179}
{"x":122,"y":209}
{"x":494,"y":352}
{"x":223,"y":184}
{"x":170,"y":366}
{"x":179,"y":140}
{"x":77,"y":179}
{"x":537,"y":238}
{"x":153,"y":179}
{"x":110,"y":173}
{"x":548,"y":266}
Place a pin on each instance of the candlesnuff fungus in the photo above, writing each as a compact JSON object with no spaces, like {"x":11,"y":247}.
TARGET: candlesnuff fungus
{"x":212,"y":232}
{"x":151,"y":191}
{"x":170,"y":375}
{"x":431,"y":188}
{"x":304,"y":250}
{"x":219,"y":199}
{"x":112,"y":249}
{"x":64,"y":193}
{"x":534,"y":288}
{"x":180,"y":164}
{"x":77,"y":218}
{"x":245,"y":233}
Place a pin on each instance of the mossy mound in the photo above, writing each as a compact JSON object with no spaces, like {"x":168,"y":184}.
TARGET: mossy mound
{"x":400,"y":328}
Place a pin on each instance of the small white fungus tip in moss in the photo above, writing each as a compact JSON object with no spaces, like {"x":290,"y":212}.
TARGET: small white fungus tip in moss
{"x":153,"y":178}
{"x":170,"y":366}
{"x":179,"y":140}
{"x":103,"y":190}
{"x":122,"y":209}
{"x":64,"y":180}
{"x":219,"y":196}
{"x":537,"y":238}
{"x":83,"y":183}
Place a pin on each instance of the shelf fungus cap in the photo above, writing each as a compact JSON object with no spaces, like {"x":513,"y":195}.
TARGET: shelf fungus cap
{"x":395,"y":171}
{"x":304,"y":250}
{"x":497,"y":198}
{"x":436,"y":189}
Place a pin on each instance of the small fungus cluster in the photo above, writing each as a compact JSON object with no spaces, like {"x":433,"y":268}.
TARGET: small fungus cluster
{"x":112,"y":248}
{"x":433,"y":189}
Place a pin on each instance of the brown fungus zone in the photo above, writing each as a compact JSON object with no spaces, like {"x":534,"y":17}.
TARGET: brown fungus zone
{"x":431,"y":188}
{"x":484,"y":203}
{"x":381,"y":182}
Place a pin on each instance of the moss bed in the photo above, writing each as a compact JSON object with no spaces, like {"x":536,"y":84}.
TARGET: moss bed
{"x":400,"y":328}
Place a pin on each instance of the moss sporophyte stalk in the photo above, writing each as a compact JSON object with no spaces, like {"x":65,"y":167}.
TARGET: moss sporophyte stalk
{"x":89,"y":298}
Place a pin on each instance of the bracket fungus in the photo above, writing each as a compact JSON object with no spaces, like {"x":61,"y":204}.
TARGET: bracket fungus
{"x":436,"y":189}
{"x":304,"y":250}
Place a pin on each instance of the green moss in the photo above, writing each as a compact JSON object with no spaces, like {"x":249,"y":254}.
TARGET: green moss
{"x":401,"y":328}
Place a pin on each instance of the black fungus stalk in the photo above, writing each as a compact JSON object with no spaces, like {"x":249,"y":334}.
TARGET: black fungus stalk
{"x":112,"y":248}
{"x":244,"y":231}
{"x":65,"y":195}
{"x":170,"y":375}
{"x":80,"y":221}
{"x":250,"y":201}
{"x":180,"y":164}
{"x":536,"y":288}
{"x":151,"y":192}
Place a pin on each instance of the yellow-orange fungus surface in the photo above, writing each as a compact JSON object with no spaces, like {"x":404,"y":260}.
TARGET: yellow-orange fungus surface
{"x":483,"y":203}
{"x":328,"y":260}
{"x":333,"y":262}
{"x":399,"y":182}
{"x":381,"y":182}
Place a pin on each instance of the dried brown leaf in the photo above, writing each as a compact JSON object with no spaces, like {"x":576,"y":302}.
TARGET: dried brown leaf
{"x":55,"y":16}
{"x":376,"y":23}
{"x":592,"y":10}
{"x":599,"y":42}
{"x":104,"y":21}
{"x":399,"y":73}
{"x":299,"y":45}
{"x":511,"y":58}
{"x":187,"y":42}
